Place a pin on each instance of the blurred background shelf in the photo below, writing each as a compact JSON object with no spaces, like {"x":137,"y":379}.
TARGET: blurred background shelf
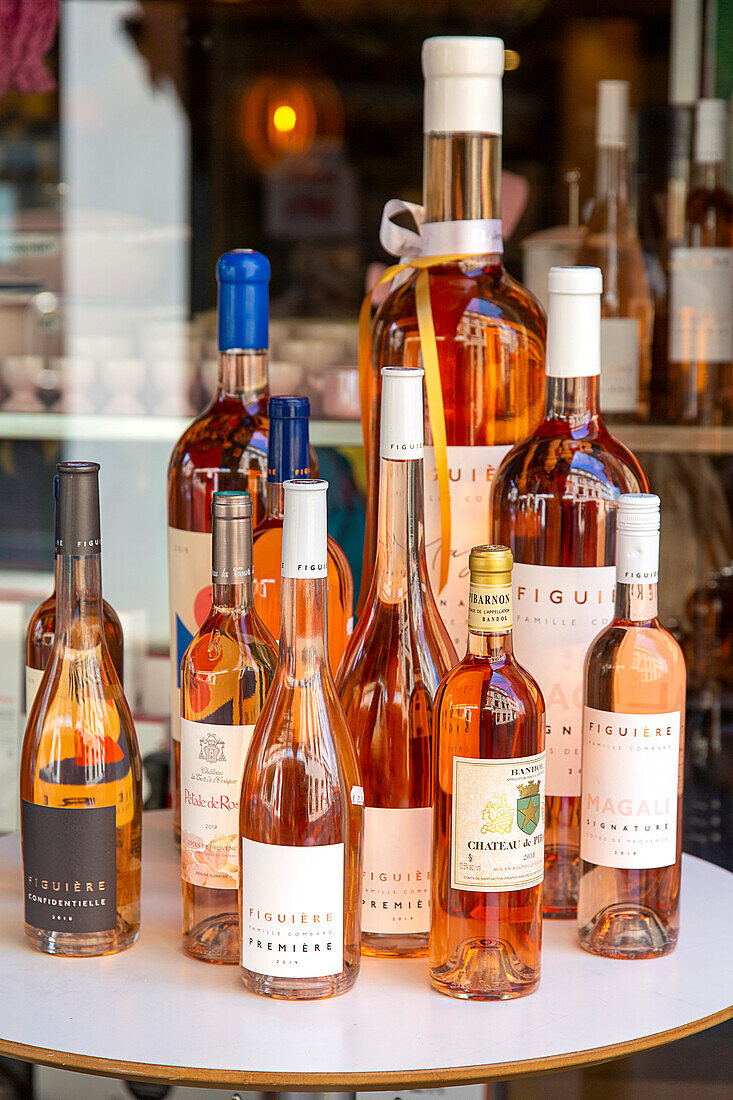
{"x":153,"y":429}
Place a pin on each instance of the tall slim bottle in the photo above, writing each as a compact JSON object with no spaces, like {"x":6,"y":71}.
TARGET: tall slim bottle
{"x":288,"y":457}
{"x":224,"y":448}
{"x":490,"y":331}
{"x":301,"y":804}
{"x":225,"y":675}
{"x":80,"y":772}
{"x":612,"y":243}
{"x":554,"y":502}
{"x":701,"y":284}
{"x":633,"y":733}
{"x":488,"y":804}
{"x":42,"y":628}
{"x":397,"y":657}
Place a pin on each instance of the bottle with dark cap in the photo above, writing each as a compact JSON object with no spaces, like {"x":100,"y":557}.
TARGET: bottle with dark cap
{"x":225,"y":448}
{"x":488,"y":804}
{"x":42,"y":627}
{"x":80,"y":777}
{"x":225,"y":675}
{"x":288,"y":457}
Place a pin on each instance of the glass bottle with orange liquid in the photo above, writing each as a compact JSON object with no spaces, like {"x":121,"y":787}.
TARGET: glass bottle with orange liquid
{"x":488,"y":805}
{"x":225,"y":675}
{"x":489,"y":330}
{"x":80,"y":772}
{"x":397,"y":656}
{"x":633,"y":746}
{"x":288,"y":457}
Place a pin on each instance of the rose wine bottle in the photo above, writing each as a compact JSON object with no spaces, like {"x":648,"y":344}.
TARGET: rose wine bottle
{"x":554,"y":502}
{"x":225,"y":675}
{"x":80,"y":773}
{"x":42,"y":627}
{"x":488,"y":804}
{"x":397,"y":656}
{"x":701,"y":284}
{"x":288,"y":457}
{"x":224,"y":448}
{"x":301,"y":804}
{"x":490,"y":331}
{"x":633,"y":726}
{"x":612,"y":243}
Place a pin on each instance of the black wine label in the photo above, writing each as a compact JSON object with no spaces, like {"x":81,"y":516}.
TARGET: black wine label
{"x":69,"y":868}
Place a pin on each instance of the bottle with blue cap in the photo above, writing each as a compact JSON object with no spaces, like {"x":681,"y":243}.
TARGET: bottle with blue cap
{"x":225,"y":448}
{"x":288,"y":458}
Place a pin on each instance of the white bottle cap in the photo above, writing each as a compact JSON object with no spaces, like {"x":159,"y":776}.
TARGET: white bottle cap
{"x":401,"y":433}
{"x":711,"y":120}
{"x":305,"y":553}
{"x":637,"y":550}
{"x":612,"y":114}
{"x":574,"y":322}
{"x":462,"y":84}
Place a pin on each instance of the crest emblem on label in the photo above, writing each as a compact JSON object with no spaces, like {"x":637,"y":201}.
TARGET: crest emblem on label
{"x":212,"y":748}
{"x":528,"y":807}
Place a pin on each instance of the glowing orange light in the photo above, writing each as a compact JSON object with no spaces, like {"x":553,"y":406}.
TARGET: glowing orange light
{"x":284,"y":118}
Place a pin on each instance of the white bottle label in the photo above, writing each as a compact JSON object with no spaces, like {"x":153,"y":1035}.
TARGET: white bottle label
{"x":619,"y":387}
{"x":557,"y":613}
{"x":396,"y":895}
{"x":189,"y":578}
{"x":292,"y":909}
{"x":490,"y":607}
{"x":701,"y":305}
{"x":498,"y":829}
{"x":631,"y":773}
{"x":472,"y":470}
{"x":212,"y":762}
{"x":33,"y":677}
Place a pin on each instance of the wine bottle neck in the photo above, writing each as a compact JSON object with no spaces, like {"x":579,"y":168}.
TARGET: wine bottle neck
{"x":242,"y":375}
{"x":401,"y":565}
{"x":492,"y":647}
{"x":708,"y":176}
{"x":275,"y":500}
{"x":612,"y":176}
{"x":79,"y":600}
{"x":462,"y":176}
{"x":636,"y":603}
{"x":232,"y":597}
{"x":574,"y":400}
{"x":303,"y":627}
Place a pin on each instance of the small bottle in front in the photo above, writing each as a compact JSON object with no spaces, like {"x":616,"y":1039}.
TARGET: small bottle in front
{"x":80,"y":772}
{"x":633,"y":732}
{"x":488,"y":805}
{"x":42,"y":628}
{"x":554,"y":503}
{"x":288,"y":457}
{"x":397,"y":657}
{"x":301,"y":803}
{"x":225,"y":675}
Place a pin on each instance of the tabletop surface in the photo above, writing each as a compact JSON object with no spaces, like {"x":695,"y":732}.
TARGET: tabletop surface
{"x":151,"y":1012}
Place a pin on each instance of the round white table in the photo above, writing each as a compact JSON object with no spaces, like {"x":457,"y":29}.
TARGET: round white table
{"x":151,"y":1013}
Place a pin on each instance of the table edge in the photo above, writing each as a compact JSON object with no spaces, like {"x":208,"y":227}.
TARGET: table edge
{"x":260,"y":1080}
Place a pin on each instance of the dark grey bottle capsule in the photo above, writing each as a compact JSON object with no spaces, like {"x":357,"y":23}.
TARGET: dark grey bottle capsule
{"x":231,"y":536}
{"x":77,"y":529}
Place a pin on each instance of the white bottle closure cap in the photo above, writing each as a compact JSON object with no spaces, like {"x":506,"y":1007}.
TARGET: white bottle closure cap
{"x":462,"y":84}
{"x":305,"y":552}
{"x":711,"y":119}
{"x":612,"y":114}
{"x":637,"y":541}
{"x":401,"y":432}
{"x":574,"y":322}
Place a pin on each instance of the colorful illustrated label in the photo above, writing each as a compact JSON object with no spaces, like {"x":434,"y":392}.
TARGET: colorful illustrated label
{"x":619,"y":383}
{"x":33,"y":677}
{"x":490,"y":607}
{"x":471,"y":471}
{"x":631,"y":774}
{"x":396,"y":894}
{"x":498,"y":828}
{"x":557,"y":613}
{"x":701,"y":305}
{"x":212,"y":762}
{"x":189,"y":577}
{"x":70,"y":868}
{"x":292,"y":909}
